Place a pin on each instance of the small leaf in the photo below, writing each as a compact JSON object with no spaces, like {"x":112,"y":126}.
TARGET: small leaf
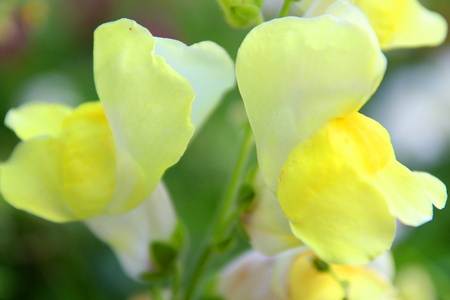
{"x":163,"y":255}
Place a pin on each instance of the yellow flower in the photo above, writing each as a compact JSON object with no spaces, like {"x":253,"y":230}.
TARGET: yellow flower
{"x":333,"y":170}
{"x":397,"y":23}
{"x":294,"y":275}
{"x":107,"y":157}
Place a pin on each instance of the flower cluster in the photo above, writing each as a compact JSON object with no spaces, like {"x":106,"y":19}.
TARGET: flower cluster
{"x":330,"y":188}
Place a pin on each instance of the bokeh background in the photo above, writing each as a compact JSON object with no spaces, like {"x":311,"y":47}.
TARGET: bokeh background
{"x":46,"y":55}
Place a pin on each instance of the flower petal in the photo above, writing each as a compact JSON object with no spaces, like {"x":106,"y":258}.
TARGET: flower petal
{"x":68,"y":177}
{"x":398,"y":24}
{"x":206,"y":65}
{"x":327,"y":189}
{"x":408,"y":199}
{"x":411,"y":194}
{"x":437,"y":191}
{"x":146,"y":102}
{"x":404,"y":23}
{"x":31,"y":179}
{"x":36,"y":119}
{"x":295,"y":74}
{"x":131,"y":233}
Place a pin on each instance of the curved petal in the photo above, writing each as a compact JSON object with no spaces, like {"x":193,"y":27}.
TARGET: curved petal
{"x":36,"y":119}
{"x":407,"y":197}
{"x":436,"y":189}
{"x":146,"y":102}
{"x":404,"y":23}
{"x":398,"y":24}
{"x":328,"y":191}
{"x":71,"y":176}
{"x":295,"y":74}
{"x":31,"y":179}
{"x":131,"y":233}
{"x":206,"y":65}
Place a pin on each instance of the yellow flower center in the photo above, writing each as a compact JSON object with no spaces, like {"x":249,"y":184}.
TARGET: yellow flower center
{"x":88,"y":160}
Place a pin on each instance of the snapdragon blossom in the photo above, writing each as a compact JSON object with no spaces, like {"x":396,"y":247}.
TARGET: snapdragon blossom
{"x":107,"y":157}
{"x":332,"y":169}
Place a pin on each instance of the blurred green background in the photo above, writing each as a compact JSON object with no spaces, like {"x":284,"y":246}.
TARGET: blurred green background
{"x":46,"y":54}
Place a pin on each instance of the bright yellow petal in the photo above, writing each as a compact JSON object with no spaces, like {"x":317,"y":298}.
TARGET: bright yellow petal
{"x":397,"y":23}
{"x":343,"y":187}
{"x":308,"y":283}
{"x":295,"y":74}
{"x":326,"y":189}
{"x":31,"y":179}
{"x":384,"y":15}
{"x":146,"y":102}
{"x":88,"y":161}
{"x":37,"y":119}
{"x":207,"y":66}
{"x":404,"y":23}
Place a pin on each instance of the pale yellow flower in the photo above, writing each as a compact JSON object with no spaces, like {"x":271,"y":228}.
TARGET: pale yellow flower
{"x":397,"y":23}
{"x":107,"y":157}
{"x":333,"y":170}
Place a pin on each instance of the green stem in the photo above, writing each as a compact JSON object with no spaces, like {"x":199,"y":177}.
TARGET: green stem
{"x":176,"y":281}
{"x":285,"y":9}
{"x":228,"y":203}
{"x":156,"y":293}
{"x":199,"y":270}
{"x":225,"y":210}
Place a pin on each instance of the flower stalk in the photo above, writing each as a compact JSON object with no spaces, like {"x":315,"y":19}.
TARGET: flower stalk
{"x":222,"y":227}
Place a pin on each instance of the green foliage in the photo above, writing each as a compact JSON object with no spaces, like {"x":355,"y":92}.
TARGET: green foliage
{"x":241,"y":13}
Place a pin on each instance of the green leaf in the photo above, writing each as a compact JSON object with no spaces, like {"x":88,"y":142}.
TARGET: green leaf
{"x":163,"y":255}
